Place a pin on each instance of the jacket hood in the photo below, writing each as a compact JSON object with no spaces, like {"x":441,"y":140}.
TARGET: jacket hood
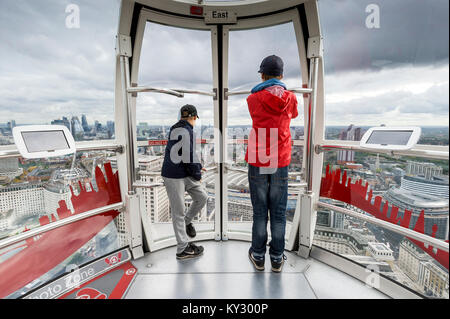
{"x":274,"y":103}
{"x":181,"y":123}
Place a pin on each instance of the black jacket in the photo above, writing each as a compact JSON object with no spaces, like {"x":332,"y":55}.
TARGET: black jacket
{"x":176,"y":164}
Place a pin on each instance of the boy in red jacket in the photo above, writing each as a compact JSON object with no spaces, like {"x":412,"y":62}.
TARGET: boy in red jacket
{"x":271,"y":107}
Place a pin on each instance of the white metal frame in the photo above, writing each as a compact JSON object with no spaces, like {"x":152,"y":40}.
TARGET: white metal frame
{"x":307,"y":201}
{"x":121,"y":142}
{"x":192,"y":23}
{"x":147,"y":15}
{"x":242,"y":8}
{"x":240,"y":230}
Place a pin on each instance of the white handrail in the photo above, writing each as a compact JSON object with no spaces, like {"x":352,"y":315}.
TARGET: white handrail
{"x":418,"y":152}
{"x":59,"y":223}
{"x":437,"y":243}
{"x":247,"y":92}
{"x":142,"y":89}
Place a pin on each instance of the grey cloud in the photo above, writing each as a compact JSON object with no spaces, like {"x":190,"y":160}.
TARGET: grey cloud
{"x":411,"y":31}
{"x":48,"y":71}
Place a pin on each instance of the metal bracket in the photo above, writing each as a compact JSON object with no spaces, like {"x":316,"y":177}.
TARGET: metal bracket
{"x":120,"y":149}
{"x":303,"y":251}
{"x":315,"y":47}
{"x":225,"y":94}
{"x":134,"y":94}
{"x":216,"y":96}
{"x":318,"y":149}
{"x":224,"y":236}
{"x":123,"y":46}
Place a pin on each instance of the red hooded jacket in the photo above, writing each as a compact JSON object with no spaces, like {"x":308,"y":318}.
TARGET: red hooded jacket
{"x":269,"y":143}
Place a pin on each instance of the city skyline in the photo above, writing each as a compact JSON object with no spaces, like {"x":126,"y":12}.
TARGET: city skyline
{"x":391,"y":73}
{"x":365,"y":244}
{"x":378,"y":84}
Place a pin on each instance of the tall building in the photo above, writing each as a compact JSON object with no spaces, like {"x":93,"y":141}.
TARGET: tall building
{"x":430,"y":276}
{"x":9,"y":169}
{"x":340,"y":241}
{"x":25,"y":200}
{"x":352,"y":133}
{"x":380,"y":252}
{"x":409,"y":258}
{"x":54,"y":192}
{"x":434,"y":279}
{"x":330,"y":218}
{"x":64,"y":122}
{"x":97,"y":126}
{"x":425,"y":170}
{"x":84,"y":123}
{"x":11,"y":124}
{"x":76,"y":126}
{"x":110,"y":126}
{"x":122,"y":230}
{"x":155,"y":199}
{"x":58,"y":188}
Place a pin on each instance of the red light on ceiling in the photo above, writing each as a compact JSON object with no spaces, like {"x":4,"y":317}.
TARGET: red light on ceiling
{"x":196,"y":10}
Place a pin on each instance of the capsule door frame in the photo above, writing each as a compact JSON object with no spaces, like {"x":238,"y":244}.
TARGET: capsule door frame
{"x":269,"y":20}
{"x":148,"y":15}
{"x":220,"y":53}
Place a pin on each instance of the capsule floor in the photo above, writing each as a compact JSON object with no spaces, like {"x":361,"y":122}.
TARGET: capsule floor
{"x":225,"y":272}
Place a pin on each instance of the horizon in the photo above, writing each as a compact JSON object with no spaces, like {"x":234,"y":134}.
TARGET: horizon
{"x":395,"y":73}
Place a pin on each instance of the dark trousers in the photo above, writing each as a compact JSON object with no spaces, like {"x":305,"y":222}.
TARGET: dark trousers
{"x":269,"y":194}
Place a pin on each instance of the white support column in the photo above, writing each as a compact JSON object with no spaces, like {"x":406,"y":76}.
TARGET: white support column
{"x":125,"y":134}
{"x":314,"y":134}
{"x":132,"y":206}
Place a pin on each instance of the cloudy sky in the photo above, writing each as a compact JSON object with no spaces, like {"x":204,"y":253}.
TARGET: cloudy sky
{"x":396,"y":74}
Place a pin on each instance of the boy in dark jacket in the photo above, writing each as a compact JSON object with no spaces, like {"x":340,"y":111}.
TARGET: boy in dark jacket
{"x":182,"y":172}
{"x":271,"y":107}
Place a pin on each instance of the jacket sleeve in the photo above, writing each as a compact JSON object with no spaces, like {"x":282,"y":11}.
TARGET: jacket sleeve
{"x":193,"y":167}
{"x":294,"y":106}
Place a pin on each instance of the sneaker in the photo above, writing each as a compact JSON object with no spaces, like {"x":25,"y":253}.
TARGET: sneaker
{"x":191,"y":251}
{"x":190,"y":230}
{"x":277,"y":265}
{"x":258,"y":262}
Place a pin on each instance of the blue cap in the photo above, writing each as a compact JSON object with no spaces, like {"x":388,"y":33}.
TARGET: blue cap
{"x":272,"y":65}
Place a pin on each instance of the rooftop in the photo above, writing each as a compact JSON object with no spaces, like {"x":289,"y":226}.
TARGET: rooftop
{"x":415,"y":199}
{"x":435,"y":180}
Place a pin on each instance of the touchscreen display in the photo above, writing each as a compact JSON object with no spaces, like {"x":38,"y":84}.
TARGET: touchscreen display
{"x":389,"y":137}
{"x":45,"y":141}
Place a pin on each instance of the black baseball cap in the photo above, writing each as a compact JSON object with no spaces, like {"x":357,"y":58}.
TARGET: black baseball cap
{"x":188,"y":110}
{"x":272,"y":65}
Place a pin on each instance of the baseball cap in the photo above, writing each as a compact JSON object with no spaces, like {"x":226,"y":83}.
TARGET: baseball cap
{"x":272,"y":65}
{"x":188,"y":110}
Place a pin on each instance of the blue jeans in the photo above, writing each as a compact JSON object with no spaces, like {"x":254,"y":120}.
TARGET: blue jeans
{"x":269,"y":193}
